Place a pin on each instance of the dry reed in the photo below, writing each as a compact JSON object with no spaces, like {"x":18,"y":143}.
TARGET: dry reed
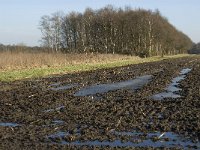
{"x":25,"y":60}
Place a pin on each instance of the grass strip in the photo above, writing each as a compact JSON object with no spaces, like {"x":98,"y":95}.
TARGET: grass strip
{"x":12,"y":75}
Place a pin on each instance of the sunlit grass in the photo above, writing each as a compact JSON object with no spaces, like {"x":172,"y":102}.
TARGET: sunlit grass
{"x":11,"y":75}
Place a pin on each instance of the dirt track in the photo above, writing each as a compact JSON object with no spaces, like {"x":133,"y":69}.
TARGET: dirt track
{"x":120,"y":118}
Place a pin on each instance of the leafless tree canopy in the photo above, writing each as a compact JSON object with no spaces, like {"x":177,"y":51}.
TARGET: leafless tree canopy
{"x":109,"y":30}
{"x":195,"y":49}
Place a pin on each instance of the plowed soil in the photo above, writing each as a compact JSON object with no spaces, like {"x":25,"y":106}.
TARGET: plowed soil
{"x":40,"y":112}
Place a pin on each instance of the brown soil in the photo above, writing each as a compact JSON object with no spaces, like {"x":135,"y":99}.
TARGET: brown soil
{"x":88,"y":118}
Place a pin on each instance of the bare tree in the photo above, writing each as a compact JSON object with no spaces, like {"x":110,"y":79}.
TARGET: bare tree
{"x":110,"y":30}
{"x":45,"y":27}
{"x":51,"y":28}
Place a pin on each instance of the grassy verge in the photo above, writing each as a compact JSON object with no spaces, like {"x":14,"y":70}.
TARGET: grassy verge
{"x":11,"y":75}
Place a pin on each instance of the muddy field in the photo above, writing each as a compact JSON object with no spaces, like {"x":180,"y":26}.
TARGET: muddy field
{"x":150,"y":105}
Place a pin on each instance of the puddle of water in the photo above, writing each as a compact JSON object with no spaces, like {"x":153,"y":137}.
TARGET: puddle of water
{"x":55,"y":109}
{"x":59,"y":134}
{"x":103,"y":88}
{"x":55,"y":84}
{"x":161,"y":96}
{"x":150,"y":135}
{"x":65,"y":87}
{"x":54,"y":123}
{"x":185,"y":71}
{"x":8,"y":124}
{"x":62,"y":134}
{"x":57,"y":122}
{"x":137,"y":139}
{"x":160,"y":116}
{"x":172,"y":89}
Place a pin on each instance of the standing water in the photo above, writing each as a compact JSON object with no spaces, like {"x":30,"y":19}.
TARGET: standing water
{"x":103,"y":88}
{"x":172,"y":89}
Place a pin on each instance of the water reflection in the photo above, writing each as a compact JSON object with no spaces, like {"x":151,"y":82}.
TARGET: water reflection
{"x":172,"y":90}
{"x":64,"y":87}
{"x":9,"y":124}
{"x":136,"y":139}
{"x":103,"y":88}
{"x":55,"y":109}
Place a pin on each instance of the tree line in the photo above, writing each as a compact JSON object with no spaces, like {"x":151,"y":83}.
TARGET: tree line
{"x":195,"y":49}
{"x":22,"y":48}
{"x":113,"y":30}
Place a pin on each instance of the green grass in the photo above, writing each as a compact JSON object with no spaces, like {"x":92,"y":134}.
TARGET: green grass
{"x":42,"y":72}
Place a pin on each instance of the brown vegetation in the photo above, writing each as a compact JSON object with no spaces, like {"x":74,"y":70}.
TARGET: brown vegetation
{"x":25,"y":60}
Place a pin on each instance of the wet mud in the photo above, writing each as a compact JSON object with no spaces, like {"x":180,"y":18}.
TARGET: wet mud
{"x":116,"y":108}
{"x":172,"y":90}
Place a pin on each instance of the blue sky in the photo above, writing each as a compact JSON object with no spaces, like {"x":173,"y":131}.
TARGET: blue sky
{"x":19,"y":19}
